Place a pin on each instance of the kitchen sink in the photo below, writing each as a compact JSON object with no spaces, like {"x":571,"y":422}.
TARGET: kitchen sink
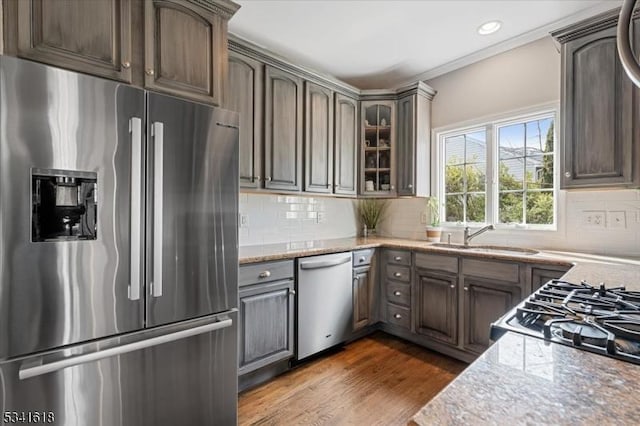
{"x":514,"y":251}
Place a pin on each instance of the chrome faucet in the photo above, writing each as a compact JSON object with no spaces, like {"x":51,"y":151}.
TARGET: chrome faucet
{"x":468,"y":237}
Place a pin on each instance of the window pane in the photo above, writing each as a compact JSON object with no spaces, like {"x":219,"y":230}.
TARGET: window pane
{"x":510,"y":206}
{"x":453,"y":208}
{"x":454,"y":150}
{"x":453,"y":179}
{"x":540,"y":172}
{"x":476,"y":177}
{"x":540,"y":208}
{"x":476,"y":207}
{"x":511,"y":141}
{"x":511,"y":174}
{"x":476,"y":147}
{"x":540,"y":136}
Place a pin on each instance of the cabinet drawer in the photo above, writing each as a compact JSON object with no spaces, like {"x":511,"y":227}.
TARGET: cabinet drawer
{"x":502,"y":271}
{"x":398,"y":257}
{"x":437,"y":262}
{"x":398,"y":293}
{"x":265,"y":272}
{"x":397,"y":315}
{"x":398,"y":273}
{"x":362,"y":257}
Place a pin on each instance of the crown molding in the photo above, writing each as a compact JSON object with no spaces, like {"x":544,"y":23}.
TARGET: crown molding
{"x":224,"y":8}
{"x":512,"y":43}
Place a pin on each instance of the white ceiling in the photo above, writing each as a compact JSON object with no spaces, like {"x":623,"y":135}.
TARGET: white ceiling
{"x":385,"y":43}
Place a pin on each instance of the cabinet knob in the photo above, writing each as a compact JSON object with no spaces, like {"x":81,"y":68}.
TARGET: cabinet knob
{"x":567,"y":174}
{"x":397,"y":316}
{"x":150,"y":72}
{"x":397,"y":293}
{"x":292,"y":292}
{"x":397,"y":274}
{"x":452,"y":286}
{"x":397,"y":258}
{"x":466,"y":289}
{"x":126,"y":64}
{"x":362,"y":259}
{"x":257,"y":178}
{"x":268,"y":178}
{"x":410,"y":186}
{"x":265,"y":274}
{"x":393,"y":187}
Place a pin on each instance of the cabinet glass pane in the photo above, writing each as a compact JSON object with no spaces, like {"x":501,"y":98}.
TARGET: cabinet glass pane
{"x":384,"y":115}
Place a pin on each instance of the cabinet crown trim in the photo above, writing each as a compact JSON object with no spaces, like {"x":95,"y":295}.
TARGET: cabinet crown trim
{"x":591,"y":25}
{"x":224,"y":8}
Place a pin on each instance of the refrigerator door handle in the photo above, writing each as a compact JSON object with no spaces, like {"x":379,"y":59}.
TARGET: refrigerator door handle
{"x":27,"y":372}
{"x":157,"y":132}
{"x":135,"y":129}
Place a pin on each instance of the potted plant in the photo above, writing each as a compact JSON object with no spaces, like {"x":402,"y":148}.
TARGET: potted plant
{"x":370,"y":212}
{"x":434,"y":231}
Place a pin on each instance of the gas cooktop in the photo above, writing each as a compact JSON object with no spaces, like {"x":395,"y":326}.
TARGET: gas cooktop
{"x":594,"y":318}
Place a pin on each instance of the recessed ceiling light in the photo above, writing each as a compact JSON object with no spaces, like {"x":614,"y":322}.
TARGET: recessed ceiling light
{"x":489,"y":27}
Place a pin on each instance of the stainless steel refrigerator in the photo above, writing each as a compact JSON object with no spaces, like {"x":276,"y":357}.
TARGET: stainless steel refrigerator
{"x":118,"y":253}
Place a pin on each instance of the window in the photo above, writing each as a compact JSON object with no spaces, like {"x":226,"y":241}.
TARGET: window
{"x":501,"y":172}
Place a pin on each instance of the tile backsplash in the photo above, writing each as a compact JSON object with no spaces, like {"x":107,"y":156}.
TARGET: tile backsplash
{"x":618,"y":232}
{"x":270,"y":218}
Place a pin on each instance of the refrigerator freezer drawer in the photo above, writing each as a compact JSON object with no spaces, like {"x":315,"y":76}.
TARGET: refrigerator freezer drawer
{"x":179,"y":374}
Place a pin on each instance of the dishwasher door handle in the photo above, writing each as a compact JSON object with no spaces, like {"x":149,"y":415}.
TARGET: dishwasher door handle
{"x":324,"y":263}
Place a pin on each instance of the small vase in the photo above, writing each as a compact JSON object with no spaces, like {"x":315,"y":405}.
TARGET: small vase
{"x":434,"y":233}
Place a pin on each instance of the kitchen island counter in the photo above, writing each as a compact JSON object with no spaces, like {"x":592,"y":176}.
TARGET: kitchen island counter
{"x":525,"y":380}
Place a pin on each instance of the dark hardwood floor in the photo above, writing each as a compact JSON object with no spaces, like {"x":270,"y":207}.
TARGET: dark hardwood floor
{"x":378,"y":380}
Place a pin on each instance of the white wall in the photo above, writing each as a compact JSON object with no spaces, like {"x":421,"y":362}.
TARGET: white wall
{"x":287,"y":218}
{"x":519,"y":79}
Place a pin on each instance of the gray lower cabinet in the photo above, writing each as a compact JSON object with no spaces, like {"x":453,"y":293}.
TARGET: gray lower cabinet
{"x":246,"y":98}
{"x":395,"y":279}
{"x":601,"y":132}
{"x":87,"y":36}
{"x":435,"y":307}
{"x":283,"y":130}
{"x":539,"y":275}
{"x":345,"y":175}
{"x":365,"y":288}
{"x":266,"y":315}
{"x":318,"y":139}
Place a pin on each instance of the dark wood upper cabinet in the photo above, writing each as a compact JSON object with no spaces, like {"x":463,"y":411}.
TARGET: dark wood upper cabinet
{"x":600,"y":104}
{"x":435,"y":310}
{"x":185,"y":48}
{"x":93,"y":37}
{"x":345,"y":167}
{"x":318,"y":139}
{"x":283,"y":130}
{"x":246,"y":98}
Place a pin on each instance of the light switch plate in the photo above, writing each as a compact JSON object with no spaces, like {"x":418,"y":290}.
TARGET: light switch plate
{"x":617,"y":219}
{"x":243,"y":220}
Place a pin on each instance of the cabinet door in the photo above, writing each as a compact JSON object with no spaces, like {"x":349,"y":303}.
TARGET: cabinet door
{"x":283,"y":130}
{"x":185,"y":50}
{"x":245,"y":97}
{"x":484,"y":303}
{"x":435,"y":310}
{"x":365,"y":297}
{"x":377,"y":158}
{"x":265,"y":325}
{"x":318,"y":139}
{"x":93,"y":37}
{"x":600,"y":107}
{"x":540,"y":276}
{"x":346,"y":146}
{"x":406,"y":145}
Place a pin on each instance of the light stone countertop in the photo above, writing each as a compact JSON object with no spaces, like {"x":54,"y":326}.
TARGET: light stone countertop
{"x":519,"y":379}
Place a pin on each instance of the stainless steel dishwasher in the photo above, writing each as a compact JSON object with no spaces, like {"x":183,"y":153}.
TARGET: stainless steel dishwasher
{"x":324,"y":302}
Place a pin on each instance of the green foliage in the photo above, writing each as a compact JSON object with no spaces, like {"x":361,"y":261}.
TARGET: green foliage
{"x":434,"y":210}
{"x":371,"y":211}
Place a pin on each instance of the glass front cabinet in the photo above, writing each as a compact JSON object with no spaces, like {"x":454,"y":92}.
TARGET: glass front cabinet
{"x":377,"y":152}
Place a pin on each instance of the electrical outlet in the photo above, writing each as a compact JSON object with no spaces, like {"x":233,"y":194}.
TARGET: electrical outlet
{"x":595,"y":219}
{"x":320,"y":217}
{"x":243,"y":220}
{"x":617,"y":219}
{"x":423,"y":218}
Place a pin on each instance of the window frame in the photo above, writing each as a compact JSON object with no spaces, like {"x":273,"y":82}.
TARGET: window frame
{"x":491,"y":126}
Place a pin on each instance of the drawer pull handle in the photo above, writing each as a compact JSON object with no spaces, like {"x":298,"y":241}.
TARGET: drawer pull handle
{"x":466,"y":289}
{"x":397,"y":274}
{"x":397,"y":316}
{"x":397,"y":293}
{"x":362,"y":259}
{"x":265,"y":274}
{"x":397,"y":258}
